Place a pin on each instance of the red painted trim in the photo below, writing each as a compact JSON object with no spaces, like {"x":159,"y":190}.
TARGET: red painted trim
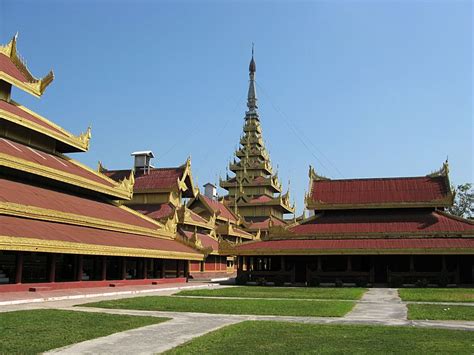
{"x":49,"y":286}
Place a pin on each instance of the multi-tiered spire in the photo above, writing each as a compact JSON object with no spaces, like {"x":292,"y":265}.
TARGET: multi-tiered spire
{"x":254,"y":190}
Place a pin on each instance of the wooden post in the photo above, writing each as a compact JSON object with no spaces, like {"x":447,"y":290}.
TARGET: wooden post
{"x":103,"y":270}
{"x":79,"y":268}
{"x":372,"y":270}
{"x":320,"y":264}
{"x":412,"y":263}
{"x":186,"y":269}
{"x":282,"y":263}
{"x":124,"y":268}
{"x":52,"y":268}
{"x":177,"y":268}
{"x":162,"y":271}
{"x":145,"y":268}
{"x":19,"y":268}
{"x":349,"y":263}
{"x":443,"y":263}
{"x":457,"y":277}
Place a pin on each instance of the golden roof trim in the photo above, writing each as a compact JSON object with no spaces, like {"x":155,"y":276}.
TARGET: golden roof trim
{"x":33,"y":85}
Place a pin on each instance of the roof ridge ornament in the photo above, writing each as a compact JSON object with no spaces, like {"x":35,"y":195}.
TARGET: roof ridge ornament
{"x":252,"y":93}
{"x":443,"y":171}
{"x":33,"y":85}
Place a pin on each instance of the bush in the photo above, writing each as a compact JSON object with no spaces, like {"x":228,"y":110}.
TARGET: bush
{"x":279,"y":280}
{"x":422,"y":283}
{"x":241,"y":279}
{"x":314,"y":281}
{"x":396,"y":281}
{"x":361,"y":282}
{"x":339,"y":283}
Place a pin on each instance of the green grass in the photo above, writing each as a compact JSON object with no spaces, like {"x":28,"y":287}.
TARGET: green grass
{"x":280,"y":292}
{"x":437,"y":294}
{"x":231,"y":306}
{"x":36,"y":331}
{"x":259,"y":337}
{"x":440,"y":312}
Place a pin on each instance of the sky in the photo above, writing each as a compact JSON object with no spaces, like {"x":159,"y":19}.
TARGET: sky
{"x":353,"y":88}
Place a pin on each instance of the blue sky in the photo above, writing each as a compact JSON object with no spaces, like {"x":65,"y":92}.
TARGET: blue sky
{"x":354,"y":88}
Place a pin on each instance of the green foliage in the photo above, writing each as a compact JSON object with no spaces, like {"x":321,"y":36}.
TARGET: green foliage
{"x":437,"y":294}
{"x":259,"y":337}
{"x":463,"y":202}
{"x":231,"y":306}
{"x":352,"y":293}
{"x":440,"y":312}
{"x":36,"y":331}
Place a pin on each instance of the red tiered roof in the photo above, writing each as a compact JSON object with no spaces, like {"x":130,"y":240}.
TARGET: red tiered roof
{"x":30,"y":195}
{"x":206,"y":241}
{"x":7,"y":66}
{"x":32,"y":155}
{"x":390,"y":192}
{"x":331,"y":246}
{"x":217,"y":206}
{"x":156,"y":211}
{"x":25,"y":115}
{"x":155,"y":179}
{"x":264,"y":224}
{"x":401,"y":221}
{"x":26,"y":228}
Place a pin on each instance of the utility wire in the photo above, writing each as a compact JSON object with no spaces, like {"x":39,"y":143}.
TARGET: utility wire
{"x":295,"y":130}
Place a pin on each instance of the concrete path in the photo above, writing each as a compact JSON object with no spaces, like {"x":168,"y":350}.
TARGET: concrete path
{"x":380,"y":304}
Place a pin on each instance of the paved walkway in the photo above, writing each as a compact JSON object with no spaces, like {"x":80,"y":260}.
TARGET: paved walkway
{"x":380,"y":304}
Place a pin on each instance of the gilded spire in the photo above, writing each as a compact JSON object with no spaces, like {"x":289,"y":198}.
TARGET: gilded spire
{"x":252,"y":94}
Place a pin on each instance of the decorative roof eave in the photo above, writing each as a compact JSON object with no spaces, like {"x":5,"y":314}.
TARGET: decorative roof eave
{"x":122,"y":190}
{"x":193,"y":189}
{"x":264,"y":251}
{"x":185,"y":217}
{"x":79,"y":143}
{"x":195,"y":243}
{"x":37,"y":213}
{"x":53,"y":246}
{"x":321,"y":206}
{"x":33,"y":85}
{"x":217,"y":213}
{"x":228,"y":229}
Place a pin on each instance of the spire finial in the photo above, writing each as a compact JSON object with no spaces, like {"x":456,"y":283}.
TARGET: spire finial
{"x":252,"y":93}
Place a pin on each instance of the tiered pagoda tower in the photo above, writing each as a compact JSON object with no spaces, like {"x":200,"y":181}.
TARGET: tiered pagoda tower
{"x":255,"y":190}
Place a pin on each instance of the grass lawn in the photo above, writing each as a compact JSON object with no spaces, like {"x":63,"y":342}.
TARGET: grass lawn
{"x":442,"y":312}
{"x":280,"y":292}
{"x":437,"y":294}
{"x":35,"y":331}
{"x":231,"y":306}
{"x":289,"y":338}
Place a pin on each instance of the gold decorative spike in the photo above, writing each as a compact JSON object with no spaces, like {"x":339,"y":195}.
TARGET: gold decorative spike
{"x":100,"y":167}
{"x":443,"y":171}
{"x":127,"y":184}
{"x":85,"y":137}
{"x":32,"y":85}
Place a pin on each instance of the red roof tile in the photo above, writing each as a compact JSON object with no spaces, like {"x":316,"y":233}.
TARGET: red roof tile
{"x":333,"y":245}
{"x":408,"y":190}
{"x":24,"y":152}
{"x":356,"y":222}
{"x":264,"y":224}
{"x":206,"y":241}
{"x":157,"y":178}
{"x":261,"y":199}
{"x":13,"y":109}
{"x":29,"y":195}
{"x":26,"y":228}
{"x":156,"y":211}
{"x":7,"y":66}
{"x":217,"y":206}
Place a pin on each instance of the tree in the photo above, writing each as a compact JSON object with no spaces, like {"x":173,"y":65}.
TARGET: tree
{"x":464,"y":201}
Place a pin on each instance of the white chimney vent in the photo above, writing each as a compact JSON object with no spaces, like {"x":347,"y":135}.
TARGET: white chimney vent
{"x":210,"y":191}
{"x":142,"y":160}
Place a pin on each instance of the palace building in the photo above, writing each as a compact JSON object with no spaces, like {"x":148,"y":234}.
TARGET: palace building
{"x":62,"y":223}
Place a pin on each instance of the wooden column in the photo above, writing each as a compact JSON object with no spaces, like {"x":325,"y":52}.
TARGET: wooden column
{"x":282,"y":263}
{"x":19,"y":268}
{"x":52,"y":268}
{"x":162,"y":271}
{"x":457,"y":277}
{"x":320,"y":264}
{"x":443,"y":263}
{"x":177,"y":268}
{"x":124,"y":268}
{"x":186,"y":269}
{"x":145,"y":268}
{"x":412,"y":263}
{"x":79,"y":267}
{"x":372,"y":270}
{"x":103,"y":270}
{"x":349,"y":263}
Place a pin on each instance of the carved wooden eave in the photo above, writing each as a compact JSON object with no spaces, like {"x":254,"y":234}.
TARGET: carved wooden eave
{"x":194,"y":242}
{"x":444,"y":172}
{"x":230,"y":229}
{"x":126,"y":185}
{"x":187,"y":174}
{"x":185,"y":217}
{"x":77,"y":143}
{"x":33,"y":85}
